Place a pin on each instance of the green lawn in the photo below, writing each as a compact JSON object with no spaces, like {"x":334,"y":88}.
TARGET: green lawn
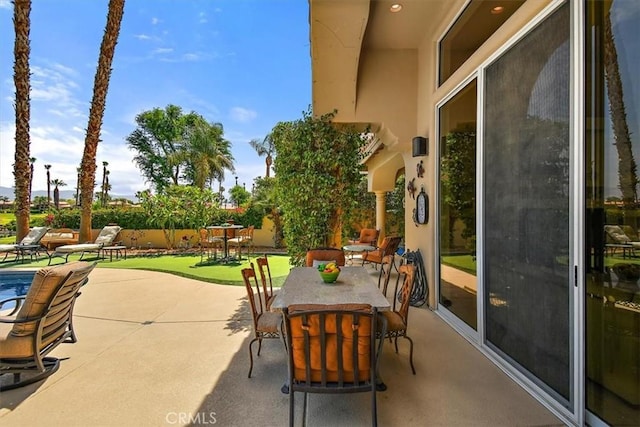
{"x":182,"y":265}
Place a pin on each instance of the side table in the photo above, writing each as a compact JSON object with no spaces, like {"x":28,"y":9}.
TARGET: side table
{"x":351,"y":249}
{"x":120,"y":250}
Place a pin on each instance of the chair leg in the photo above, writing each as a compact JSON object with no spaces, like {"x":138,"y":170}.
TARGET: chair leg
{"x":374,"y":409}
{"x":259,"y":345}
{"x":50,"y":365}
{"x":251,"y":356}
{"x":304,"y":409}
{"x":395,"y":341}
{"x":291,"y":409}
{"x":410,"y":353}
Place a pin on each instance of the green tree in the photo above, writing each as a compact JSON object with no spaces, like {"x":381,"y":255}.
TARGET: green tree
{"x":264,"y":201}
{"x":239,"y":196}
{"x":317,"y":171}
{"x":205,"y":154}
{"x":458,"y":181}
{"x":264,"y":148}
{"x":21,"y":78}
{"x":96,"y":113}
{"x":40,"y":203}
{"x":160,"y":140}
{"x":178,"y":206}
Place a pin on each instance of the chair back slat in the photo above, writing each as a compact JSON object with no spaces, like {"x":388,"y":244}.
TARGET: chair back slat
{"x":253,"y":293}
{"x":265,"y":277}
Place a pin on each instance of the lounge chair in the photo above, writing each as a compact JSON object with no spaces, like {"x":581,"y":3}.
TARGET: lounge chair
{"x":38,"y":323}
{"x":30,"y":243}
{"x":619,"y":238}
{"x":105,"y":238}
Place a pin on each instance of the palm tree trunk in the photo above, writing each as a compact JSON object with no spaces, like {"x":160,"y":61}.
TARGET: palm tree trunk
{"x":627,"y":168}
{"x":56,"y":198}
{"x":96,"y":113}
{"x":22,"y":26}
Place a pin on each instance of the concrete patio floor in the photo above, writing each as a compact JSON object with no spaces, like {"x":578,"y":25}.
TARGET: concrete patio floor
{"x":154,"y":349}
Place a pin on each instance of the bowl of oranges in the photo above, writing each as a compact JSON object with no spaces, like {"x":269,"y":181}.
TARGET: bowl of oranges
{"x":329,"y":272}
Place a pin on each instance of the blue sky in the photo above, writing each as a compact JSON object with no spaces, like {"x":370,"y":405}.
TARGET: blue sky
{"x":243,"y":63}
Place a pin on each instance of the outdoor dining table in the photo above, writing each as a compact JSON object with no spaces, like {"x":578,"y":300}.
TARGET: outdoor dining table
{"x":225,"y":237}
{"x":304,"y":285}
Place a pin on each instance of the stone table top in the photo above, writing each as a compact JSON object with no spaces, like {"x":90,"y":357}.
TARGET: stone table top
{"x":304,"y":285}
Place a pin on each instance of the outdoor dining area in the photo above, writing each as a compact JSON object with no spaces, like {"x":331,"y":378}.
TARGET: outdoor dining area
{"x":157,"y":349}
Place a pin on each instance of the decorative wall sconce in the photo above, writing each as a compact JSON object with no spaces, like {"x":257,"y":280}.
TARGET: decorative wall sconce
{"x":420,"y":146}
{"x":411,"y":188}
{"x":420,"y":169}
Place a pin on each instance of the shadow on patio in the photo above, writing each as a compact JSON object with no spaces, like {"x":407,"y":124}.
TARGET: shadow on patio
{"x":155,"y":349}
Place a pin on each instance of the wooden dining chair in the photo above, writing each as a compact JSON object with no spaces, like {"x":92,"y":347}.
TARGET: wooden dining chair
{"x":265,"y":277}
{"x":332,"y":349}
{"x":266,"y":325}
{"x":243,"y":238}
{"x":385,"y":273}
{"x":398,"y":318}
{"x":323,"y":255}
{"x":389,"y":246}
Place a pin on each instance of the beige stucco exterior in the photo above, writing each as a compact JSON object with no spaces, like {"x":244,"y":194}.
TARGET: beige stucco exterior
{"x":379,"y":68}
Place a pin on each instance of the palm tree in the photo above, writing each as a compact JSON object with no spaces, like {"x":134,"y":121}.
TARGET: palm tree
{"x":627,"y":167}
{"x":96,"y":113}
{"x":78,"y":187}
{"x":206,"y":153}
{"x":264,"y":148}
{"x":32,"y":160}
{"x":103,"y":197}
{"x":47,"y":167}
{"x":56,"y":192}
{"x":21,"y":78}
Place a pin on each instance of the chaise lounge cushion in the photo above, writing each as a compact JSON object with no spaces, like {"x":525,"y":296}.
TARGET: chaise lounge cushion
{"x":19,"y":342}
{"x":80,"y":247}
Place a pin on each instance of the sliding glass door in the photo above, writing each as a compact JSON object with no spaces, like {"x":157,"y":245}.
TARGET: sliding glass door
{"x":612,"y":255}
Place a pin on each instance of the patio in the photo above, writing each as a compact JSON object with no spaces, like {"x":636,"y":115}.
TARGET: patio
{"x":155,"y":349}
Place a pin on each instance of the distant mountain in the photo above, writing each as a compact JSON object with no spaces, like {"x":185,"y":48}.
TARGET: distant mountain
{"x":64,"y":194}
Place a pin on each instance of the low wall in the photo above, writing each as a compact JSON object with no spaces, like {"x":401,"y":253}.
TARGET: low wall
{"x":155,"y":239}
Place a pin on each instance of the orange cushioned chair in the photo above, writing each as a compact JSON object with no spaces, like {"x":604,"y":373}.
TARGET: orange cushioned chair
{"x":322,"y":255}
{"x":389,"y":246}
{"x":368,"y":236}
{"x":398,"y":318}
{"x":332,"y":349}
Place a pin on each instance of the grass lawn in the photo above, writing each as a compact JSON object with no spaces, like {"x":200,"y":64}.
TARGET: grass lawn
{"x":181,"y":265}
{"x":7,"y":217}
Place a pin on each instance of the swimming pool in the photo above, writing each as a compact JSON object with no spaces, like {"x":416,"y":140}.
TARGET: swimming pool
{"x":14,"y":283}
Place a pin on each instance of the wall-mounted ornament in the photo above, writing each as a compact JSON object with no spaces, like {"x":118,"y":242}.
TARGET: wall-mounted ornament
{"x":411,"y":188}
{"x":420,"y":169}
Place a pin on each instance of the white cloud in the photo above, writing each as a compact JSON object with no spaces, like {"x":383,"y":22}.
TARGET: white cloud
{"x":142,"y":36}
{"x":242,"y":115}
{"x":191,"y":57}
{"x":5,"y":4}
{"x":155,"y":21}
{"x":162,"y":50}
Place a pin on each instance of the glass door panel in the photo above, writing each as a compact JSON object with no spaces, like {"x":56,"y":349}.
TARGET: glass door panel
{"x":526,"y":148}
{"x":458,"y":205}
{"x":612,"y":256}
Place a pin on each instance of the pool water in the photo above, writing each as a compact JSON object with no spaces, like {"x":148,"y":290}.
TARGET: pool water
{"x":14,"y":283}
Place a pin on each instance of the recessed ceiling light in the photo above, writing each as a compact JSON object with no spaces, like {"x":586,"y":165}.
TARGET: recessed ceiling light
{"x":497,"y":10}
{"x":396,"y":7}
